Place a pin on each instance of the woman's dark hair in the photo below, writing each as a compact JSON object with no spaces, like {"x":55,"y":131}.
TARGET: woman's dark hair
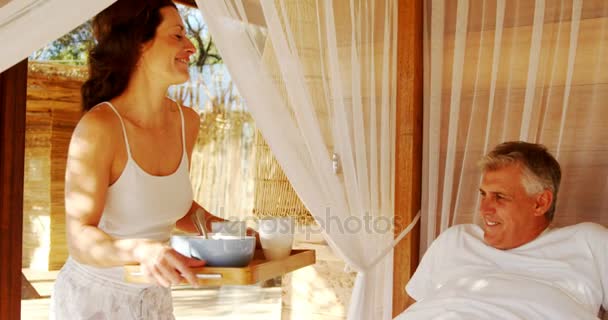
{"x":120,"y":31}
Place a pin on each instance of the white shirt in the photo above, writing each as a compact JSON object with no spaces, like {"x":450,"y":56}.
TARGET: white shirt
{"x":141,"y":205}
{"x":562,"y":274}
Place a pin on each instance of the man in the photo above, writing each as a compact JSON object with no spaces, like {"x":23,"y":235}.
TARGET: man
{"x":514,"y":266}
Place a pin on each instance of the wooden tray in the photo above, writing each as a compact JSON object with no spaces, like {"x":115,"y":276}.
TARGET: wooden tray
{"x":258,"y":270}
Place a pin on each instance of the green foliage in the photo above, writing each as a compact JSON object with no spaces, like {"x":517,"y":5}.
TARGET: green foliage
{"x":197,"y":32}
{"x":71,"y":48}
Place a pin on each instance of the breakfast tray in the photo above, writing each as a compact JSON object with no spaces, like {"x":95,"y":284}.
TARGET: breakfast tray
{"x":259,"y":269}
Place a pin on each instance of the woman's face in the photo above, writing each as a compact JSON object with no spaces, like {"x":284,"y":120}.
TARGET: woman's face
{"x":165,"y":57}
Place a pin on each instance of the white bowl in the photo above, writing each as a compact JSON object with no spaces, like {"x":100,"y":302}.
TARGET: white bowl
{"x":231,"y":228}
{"x":181,"y":244}
{"x":222,"y":251}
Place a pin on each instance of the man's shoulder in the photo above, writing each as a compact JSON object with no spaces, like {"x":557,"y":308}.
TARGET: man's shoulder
{"x":591,"y":227}
{"x":585,"y":231}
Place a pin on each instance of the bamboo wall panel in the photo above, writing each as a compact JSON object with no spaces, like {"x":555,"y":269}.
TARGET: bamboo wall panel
{"x":36,"y":200}
{"x":274,"y":195}
{"x":53,"y":109}
{"x":64,"y":122}
{"x":525,"y":13}
{"x":221,"y":172}
{"x":514,"y":56}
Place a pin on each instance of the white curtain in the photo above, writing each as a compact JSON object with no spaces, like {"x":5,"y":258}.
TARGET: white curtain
{"x":28,"y":25}
{"x":501,"y":70}
{"x":319,"y":79}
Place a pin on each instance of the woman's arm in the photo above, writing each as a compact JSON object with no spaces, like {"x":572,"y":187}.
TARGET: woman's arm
{"x":90,"y":156}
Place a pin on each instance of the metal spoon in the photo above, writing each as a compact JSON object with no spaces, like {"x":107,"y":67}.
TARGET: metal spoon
{"x":199,"y":222}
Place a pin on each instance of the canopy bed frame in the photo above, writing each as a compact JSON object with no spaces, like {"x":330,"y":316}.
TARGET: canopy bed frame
{"x":13,"y":83}
{"x":408,"y":159}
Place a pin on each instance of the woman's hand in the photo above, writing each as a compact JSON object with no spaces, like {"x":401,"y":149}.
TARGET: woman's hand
{"x":164,"y":266}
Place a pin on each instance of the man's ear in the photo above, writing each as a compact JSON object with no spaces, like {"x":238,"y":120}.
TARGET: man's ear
{"x":543,"y":202}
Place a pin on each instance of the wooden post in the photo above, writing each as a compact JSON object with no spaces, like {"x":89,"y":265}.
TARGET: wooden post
{"x":13,"y":87}
{"x":408,"y":166}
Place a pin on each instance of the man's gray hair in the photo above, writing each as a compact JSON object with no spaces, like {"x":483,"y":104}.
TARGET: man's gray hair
{"x":540,"y":169}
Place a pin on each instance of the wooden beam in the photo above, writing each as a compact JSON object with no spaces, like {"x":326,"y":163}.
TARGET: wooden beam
{"x":408,"y":158}
{"x":13,"y":87}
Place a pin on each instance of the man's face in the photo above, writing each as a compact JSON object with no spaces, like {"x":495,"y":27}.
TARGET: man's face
{"x":510,"y":216}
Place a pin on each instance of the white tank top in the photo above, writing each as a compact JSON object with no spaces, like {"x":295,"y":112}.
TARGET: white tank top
{"x":141,"y":205}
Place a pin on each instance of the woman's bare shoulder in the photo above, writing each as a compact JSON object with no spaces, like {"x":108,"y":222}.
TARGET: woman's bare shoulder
{"x":98,"y":125}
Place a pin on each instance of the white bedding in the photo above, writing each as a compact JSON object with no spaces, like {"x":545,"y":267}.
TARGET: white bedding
{"x":563,"y":274}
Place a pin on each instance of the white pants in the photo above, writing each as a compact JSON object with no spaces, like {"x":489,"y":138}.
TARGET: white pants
{"x":79,"y":294}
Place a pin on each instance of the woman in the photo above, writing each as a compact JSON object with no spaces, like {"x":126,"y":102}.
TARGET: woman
{"x":127,"y":182}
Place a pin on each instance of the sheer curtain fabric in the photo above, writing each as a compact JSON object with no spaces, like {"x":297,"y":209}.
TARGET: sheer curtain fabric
{"x":498,"y":70}
{"x":28,"y":25}
{"x":319,"y":79}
